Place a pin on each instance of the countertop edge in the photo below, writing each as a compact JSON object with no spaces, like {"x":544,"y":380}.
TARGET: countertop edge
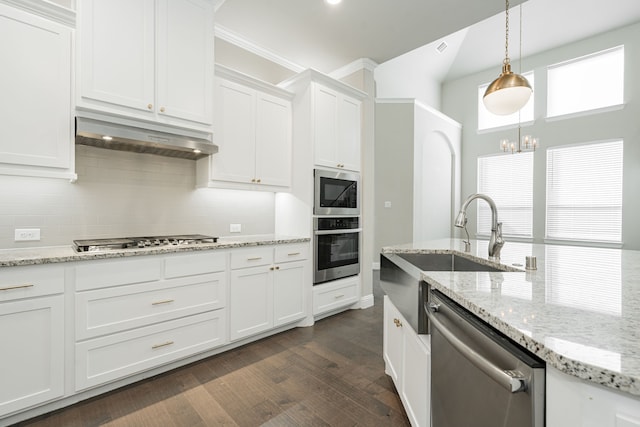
{"x":38,"y":256}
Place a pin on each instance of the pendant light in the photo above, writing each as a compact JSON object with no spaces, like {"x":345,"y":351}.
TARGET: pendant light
{"x":509,"y":92}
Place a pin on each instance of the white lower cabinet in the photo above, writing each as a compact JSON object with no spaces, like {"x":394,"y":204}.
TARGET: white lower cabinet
{"x":136,"y":314}
{"x":335,"y":295}
{"x":407,"y":357}
{"x":31,"y":336}
{"x":115,"y":356}
{"x":572,"y":402}
{"x":268,"y":288}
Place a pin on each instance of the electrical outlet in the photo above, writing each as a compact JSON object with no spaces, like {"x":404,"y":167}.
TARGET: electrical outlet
{"x":25,"y":234}
{"x":235,"y":228}
{"x":387,"y":204}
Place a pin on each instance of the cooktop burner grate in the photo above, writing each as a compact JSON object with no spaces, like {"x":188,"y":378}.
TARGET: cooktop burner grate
{"x":94,"y":245}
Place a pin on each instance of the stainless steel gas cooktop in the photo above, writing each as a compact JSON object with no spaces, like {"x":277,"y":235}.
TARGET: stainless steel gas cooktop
{"x":94,"y":245}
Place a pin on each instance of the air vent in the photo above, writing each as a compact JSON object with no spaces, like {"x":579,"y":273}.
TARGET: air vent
{"x":442,"y":47}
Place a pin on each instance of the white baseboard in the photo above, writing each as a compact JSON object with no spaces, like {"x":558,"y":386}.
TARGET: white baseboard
{"x":366,"y":301}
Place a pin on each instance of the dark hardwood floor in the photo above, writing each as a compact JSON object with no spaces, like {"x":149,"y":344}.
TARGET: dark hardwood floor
{"x":331,"y":374}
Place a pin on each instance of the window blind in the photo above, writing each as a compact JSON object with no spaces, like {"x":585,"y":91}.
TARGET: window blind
{"x":584,"y":192}
{"x":508,"y":180}
{"x":576,"y":85}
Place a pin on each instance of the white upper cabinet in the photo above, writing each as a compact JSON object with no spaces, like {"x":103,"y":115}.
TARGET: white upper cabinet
{"x":254,"y":135}
{"x":36,"y":136}
{"x":337,"y":123}
{"x":329,"y":115}
{"x":149,"y":59}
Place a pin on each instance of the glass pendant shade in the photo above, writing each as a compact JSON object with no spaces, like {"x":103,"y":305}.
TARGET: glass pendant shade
{"x":508,"y":93}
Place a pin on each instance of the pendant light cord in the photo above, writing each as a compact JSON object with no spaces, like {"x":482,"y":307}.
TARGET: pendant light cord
{"x":506,"y":38}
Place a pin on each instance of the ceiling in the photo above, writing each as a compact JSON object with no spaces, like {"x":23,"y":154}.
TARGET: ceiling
{"x":313,"y":34}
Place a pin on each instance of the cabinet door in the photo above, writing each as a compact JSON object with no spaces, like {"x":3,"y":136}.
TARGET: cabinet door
{"x":348,"y":141}
{"x":325,"y":125}
{"x":289,"y":292}
{"x":32,"y":355}
{"x":35,"y":105}
{"x":185,"y":60}
{"x":273,"y":140}
{"x":235,"y":124}
{"x":416,"y":379}
{"x":250,"y":301}
{"x":393,"y":342}
{"x":117,"y":40}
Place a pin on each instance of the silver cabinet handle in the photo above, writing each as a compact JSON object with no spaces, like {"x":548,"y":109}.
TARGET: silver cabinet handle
{"x":254,"y":258}
{"x":340,"y":231}
{"x":513,"y":381}
{"x":10,"y":288}
{"x":164,"y":344}
{"x":293,"y":253}
{"x":339,"y":296}
{"x":166,"y":301}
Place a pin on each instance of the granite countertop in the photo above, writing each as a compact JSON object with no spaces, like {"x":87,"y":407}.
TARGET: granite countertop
{"x":579,"y":311}
{"x":55,"y":254}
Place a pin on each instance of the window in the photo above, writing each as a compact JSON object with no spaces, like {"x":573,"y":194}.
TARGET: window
{"x":508,"y":180}
{"x":488,"y":120}
{"x":584,"y":192}
{"x":586,"y":83}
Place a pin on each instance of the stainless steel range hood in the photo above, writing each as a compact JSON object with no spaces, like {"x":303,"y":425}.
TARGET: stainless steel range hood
{"x":115,"y":136}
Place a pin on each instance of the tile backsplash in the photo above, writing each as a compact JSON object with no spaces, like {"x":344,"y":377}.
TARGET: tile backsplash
{"x":119,"y":194}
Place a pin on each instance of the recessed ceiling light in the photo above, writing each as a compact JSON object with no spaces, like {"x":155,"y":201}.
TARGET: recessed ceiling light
{"x":333,"y":2}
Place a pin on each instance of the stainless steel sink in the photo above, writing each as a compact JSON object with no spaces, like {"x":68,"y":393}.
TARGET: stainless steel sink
{"x":445,"y":262}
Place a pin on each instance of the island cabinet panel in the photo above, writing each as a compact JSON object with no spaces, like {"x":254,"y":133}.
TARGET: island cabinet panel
{"x":572,"y":402}
{"x":407,"y":359}
{"x":31,"y":336}
{"x":36,"y":136}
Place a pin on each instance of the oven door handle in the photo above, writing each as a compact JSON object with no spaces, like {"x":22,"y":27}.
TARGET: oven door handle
{"x":513,"y":381}
{"x":338,"y":231}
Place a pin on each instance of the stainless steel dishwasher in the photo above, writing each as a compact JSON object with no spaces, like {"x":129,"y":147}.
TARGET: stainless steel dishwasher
{"x":480,"y":378}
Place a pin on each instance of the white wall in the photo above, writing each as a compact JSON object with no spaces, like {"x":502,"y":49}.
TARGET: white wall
{"x":126,"y":194}
{"x":459,"y":101}
{"x":401,"y":78}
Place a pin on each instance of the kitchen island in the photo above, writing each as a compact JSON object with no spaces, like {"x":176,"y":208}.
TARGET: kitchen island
{"x":579,"y":312}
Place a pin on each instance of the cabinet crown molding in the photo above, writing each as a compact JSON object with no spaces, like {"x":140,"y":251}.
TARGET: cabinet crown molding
{"x":310,"y":75}
{"x":45,"y":9}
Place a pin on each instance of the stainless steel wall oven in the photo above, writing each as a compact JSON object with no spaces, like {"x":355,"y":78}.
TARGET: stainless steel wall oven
{"x":336,"y":248}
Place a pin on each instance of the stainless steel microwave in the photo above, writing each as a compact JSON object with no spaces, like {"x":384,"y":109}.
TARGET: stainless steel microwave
{"x":336,"y":193}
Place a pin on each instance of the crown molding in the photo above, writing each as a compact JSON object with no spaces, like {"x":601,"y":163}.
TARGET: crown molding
{"x":229,"y":36}
{"x":357,"y":65}
{"x":45,"y":9}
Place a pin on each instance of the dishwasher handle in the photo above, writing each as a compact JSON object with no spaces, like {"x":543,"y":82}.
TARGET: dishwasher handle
{"x":513,"y":381}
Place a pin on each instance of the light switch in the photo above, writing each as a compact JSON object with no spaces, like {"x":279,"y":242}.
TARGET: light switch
{"x":235,"y":228}
{"x":387,"y":204}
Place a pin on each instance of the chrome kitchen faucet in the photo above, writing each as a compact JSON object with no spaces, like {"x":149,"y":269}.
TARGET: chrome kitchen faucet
{"x":495,"y":241}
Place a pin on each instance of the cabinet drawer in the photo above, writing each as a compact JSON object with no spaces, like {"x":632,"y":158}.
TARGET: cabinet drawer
{"x":194,"y":263}
{"x":291,"y":253}
{"x":252,"y":257}
{"x":31,"y":281}
{"x":116,"y":356}
{"x":101,"y":274}
{"x":106,"y":311}
{"x":334,"y":296}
